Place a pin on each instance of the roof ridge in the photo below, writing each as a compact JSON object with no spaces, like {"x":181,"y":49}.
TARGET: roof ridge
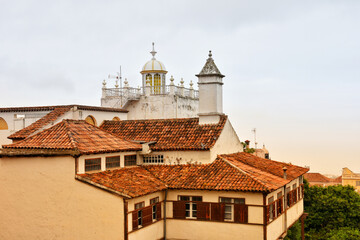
{"x":246,"y":173}
{"x":69,"y":133}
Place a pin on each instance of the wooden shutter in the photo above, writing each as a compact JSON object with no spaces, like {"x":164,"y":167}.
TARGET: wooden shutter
{"x":217,"y":211}
{"x":158,"y":211}
{"x":135,"y":220}
{"x":179,"y":209}
{"x":240,"y":213}
{"x":147,"y":215}
{"x":203,"y":211}
{"x":267,"y":214}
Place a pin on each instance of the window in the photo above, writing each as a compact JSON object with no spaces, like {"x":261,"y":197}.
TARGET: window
{"x":357,"y":183}
{"x":116,"y":119}
{"x":153,"y":202}
{"x":130,"y":160}
{"x":229,"y":206}
{"x":301,"y":179}
{"x":279,"y":204}
{"x":294,"y":186}
{"x":154,"y":159}
{"x":271,"y":208}
{"x":91,"y":120}
{"x":112,"y":162}
{"x":92,"y":164}
{"x":3,"y":124}
{"x":190,"y":205}
{"x":157,"y":83}
{"x":287,"y":197}
{"x":139,"y":213}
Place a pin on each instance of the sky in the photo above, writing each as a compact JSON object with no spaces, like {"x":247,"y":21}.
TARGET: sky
{"x":292,"y":67}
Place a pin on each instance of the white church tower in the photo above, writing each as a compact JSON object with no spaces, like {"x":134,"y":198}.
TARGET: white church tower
{"x":210,"y":93}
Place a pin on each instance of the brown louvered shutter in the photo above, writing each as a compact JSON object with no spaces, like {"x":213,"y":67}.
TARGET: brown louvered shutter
{"x":147,"y":215}
{"x":217,"y":211}
{"x":179,"y":209}
{"x":158,"y":211}
{"x":240,"y":213}
{"x":203,"y":211}
{"x":135,"y":220}
{"x":267,"y":214}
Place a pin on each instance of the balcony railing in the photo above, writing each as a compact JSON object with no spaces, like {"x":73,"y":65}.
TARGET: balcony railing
{"x":128,"y":93}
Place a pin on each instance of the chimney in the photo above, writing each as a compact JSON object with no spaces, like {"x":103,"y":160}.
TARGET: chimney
{"x":210,"y":93}
{"x":247,"y":142}
{"x":284,"y":169}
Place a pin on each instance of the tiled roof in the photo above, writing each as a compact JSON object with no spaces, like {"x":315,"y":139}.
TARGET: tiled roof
{"x":169,"y":134}
{"x":130,"y":182}
{"x":219,"y":175}
{"x":42,"y":122}
{"x":224,"y":174}
{"x":76,"y":134}
{"x":266,"y":165}
{"x":338,"y":179}
{"x":316,"y":177}
{"x":50,"y":108}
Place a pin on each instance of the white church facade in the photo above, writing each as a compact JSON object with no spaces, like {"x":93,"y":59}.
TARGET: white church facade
{"x":159,"y":162}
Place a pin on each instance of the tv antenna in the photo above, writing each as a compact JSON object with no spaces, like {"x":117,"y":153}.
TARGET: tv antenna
{"x":254,"y":131}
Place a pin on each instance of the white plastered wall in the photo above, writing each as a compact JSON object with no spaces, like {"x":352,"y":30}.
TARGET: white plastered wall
{"x":163,"y":107}
{"x":152,"y":231}
{"x":184,"y":157}
{"x":40,"y":199}
{"x":277,"y":227}
{"x":228,"y":142}
{"x":195,"y":229}
{"x":103,"y":156}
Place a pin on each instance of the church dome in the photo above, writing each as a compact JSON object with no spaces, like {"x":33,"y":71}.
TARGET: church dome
{"x":153,"y":66}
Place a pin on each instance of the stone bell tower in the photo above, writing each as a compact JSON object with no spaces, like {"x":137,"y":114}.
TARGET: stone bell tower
{"x":210,"y":93}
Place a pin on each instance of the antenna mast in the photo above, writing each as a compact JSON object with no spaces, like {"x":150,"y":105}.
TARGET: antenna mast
{"x":254,"y":130}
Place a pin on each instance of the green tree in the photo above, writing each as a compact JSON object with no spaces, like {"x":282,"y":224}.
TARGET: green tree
{"x":344,"y":234}
{"x":332,"y":210}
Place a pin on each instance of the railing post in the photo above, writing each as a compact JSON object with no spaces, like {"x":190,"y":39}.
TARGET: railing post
{"x":172,"y":86}
{"x":104,"y":89}
{"x":191,"y":90}
{"x":182,"y":87}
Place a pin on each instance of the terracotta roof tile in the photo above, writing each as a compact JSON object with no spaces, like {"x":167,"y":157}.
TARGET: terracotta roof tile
{"x":131,"y":182}
{"x":169,"y":134}
{"x":76,"y":134}
{"x":266,"y":165}
{"x":316,"y":177}
{"x":224,"y":174}
{"x":42,"y":122}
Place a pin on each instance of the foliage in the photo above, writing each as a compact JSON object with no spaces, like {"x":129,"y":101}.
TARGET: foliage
{"x":334,"y":212}
{"x":294,"y":233}
{"x":344,"y":234}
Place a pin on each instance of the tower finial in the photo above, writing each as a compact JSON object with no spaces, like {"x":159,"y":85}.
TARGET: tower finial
{"x":153,"y":52}
{"x":210,"y":54}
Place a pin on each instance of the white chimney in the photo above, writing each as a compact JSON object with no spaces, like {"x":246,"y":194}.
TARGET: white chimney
{"x":210,"y":93}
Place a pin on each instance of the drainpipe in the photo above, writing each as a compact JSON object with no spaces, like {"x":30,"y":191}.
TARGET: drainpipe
{"x":125,"y":219}
{"x":165,"y":201}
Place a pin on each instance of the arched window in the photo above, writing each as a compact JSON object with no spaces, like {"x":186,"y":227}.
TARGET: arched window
{"x":3,"y":124}
{"x":157,"y":83}
{"x":116,"y":119}
{"x":90,"y":119}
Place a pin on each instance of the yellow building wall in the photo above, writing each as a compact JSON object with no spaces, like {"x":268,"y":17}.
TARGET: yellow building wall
{"x":206,"y":230}
{"x":40,"y":199}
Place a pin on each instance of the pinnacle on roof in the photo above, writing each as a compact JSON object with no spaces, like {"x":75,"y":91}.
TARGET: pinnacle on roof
{"x":210,"y":68}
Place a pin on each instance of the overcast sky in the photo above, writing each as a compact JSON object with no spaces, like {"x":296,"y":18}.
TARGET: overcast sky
{"x":292,"y":67}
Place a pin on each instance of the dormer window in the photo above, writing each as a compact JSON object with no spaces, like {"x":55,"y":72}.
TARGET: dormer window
{"x":112,"y":162}
{"x":93,"y":164}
